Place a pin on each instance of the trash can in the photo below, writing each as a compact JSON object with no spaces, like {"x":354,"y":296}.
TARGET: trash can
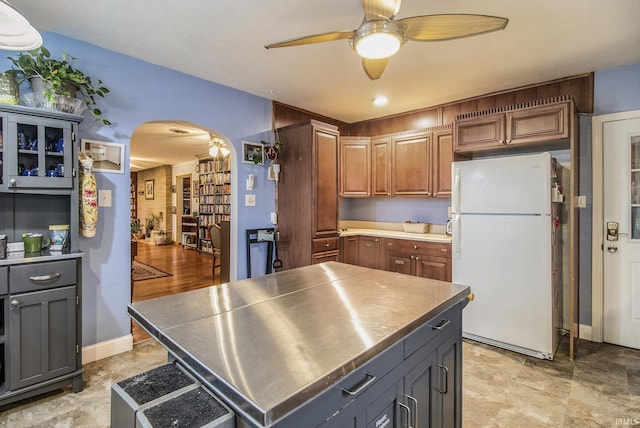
{"x":196,"y":408}
{"x":131,"y":395}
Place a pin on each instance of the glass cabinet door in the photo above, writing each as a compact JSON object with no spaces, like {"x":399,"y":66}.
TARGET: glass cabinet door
{"x":41,"y":150}
{"x":635,"y":187}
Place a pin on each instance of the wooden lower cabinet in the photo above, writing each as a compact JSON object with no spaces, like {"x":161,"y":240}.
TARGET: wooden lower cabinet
{"x":349,"y":250}
{"x":418,"y":258}
{"x":368,"y":252}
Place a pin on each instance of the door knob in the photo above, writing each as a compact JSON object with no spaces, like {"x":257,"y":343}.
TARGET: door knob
{"x":612,"y":248}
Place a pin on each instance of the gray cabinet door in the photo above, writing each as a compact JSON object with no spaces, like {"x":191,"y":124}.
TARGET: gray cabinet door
{"x":42,"y":335}
{"x":449,"y":399}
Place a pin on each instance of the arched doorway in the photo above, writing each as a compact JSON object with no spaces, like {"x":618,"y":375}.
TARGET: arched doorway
{"x":183,"y":146}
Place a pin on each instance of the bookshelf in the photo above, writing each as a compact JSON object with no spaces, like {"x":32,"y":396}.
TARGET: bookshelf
{"x":133,"y":195}
{"x":214,"y":196}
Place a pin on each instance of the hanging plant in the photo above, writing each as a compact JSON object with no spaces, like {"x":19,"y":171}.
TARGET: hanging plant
{"x":271,"y":150}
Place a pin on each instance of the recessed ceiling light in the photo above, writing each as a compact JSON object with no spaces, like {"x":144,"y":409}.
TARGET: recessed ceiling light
{"x":380,"y":100}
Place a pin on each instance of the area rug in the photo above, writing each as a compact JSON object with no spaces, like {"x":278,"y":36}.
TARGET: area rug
{"x":142,"y":271}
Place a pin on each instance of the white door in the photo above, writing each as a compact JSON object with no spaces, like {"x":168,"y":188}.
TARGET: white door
{"x":621,"y":162}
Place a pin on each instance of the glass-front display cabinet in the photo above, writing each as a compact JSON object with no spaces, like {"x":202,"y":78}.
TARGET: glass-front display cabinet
{"x":38,"y":153}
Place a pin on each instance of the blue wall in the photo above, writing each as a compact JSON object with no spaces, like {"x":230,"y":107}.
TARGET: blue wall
{"x":396,"y":210}
{"x":142,"y":92}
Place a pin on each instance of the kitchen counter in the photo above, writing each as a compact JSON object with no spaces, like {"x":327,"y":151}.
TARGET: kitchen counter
{"x":20,"y":257}
{"x":428,"y":237}
{"x":268,"y":345}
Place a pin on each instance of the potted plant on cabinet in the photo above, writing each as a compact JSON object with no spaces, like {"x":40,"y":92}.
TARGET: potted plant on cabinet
{"x":59,"y":78}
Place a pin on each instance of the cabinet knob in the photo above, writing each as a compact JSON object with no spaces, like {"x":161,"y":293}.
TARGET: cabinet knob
{"x":507,"y":142}
{"x":417,"y":258}
{"x":326,"y":245}
{"x":415,"y":247}
{"x":15,"y":303}
{"x":375,"y":240}
{"x":13,"y":182}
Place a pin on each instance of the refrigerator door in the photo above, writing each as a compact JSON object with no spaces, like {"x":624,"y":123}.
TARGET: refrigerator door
{"x":514,"y":184}
{"x":506,"y":260}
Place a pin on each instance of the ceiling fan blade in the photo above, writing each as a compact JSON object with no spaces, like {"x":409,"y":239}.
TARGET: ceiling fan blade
{"x":316,"y":38}
{"x":380,"y":9}
{"x":374,"y":67}
{"x":446,"y":27}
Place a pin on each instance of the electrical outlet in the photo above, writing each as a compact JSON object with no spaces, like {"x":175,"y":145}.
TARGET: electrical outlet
{"x":581,"y":202}
{"x":249,"y":200}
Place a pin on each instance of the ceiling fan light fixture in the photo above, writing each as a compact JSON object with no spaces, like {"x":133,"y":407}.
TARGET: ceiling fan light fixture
{"x":218,"y":146}
{"x":378,"y":39}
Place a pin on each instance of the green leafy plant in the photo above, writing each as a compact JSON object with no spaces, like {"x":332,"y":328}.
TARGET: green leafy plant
{"x":151,"y":220}
{"x":56,"y":76}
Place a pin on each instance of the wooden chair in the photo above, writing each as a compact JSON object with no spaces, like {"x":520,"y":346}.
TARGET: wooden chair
{"x":216,"y":242}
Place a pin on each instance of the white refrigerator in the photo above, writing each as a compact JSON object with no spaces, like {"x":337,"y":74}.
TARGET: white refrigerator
{"x":506,"y":247}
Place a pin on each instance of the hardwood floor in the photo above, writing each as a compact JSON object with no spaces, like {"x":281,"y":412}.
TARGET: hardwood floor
{"x":190,"y":270}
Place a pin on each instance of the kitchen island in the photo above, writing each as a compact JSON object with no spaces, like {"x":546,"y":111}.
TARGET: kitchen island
{"x":322,"y":345}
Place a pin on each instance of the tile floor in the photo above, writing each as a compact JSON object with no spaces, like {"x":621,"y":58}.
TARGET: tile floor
{"x":601,"y":388}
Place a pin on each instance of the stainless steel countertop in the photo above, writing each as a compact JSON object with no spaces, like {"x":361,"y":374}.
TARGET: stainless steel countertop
{"x":271,"y":343}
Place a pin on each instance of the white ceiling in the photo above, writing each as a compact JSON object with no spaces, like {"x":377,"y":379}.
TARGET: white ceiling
{"x":223,"y":41}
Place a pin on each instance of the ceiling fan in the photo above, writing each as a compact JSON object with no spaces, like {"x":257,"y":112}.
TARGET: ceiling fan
{"x":380,"y":36}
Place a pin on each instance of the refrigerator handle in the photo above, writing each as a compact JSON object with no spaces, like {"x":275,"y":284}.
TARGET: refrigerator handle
{"x":456,"y":190}
{"x":456,"y":236}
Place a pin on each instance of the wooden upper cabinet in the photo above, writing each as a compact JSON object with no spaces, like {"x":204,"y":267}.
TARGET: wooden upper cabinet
{"x":410,"y":160}
{"x":480,"y":132}
{"x":541,"y":122}
{"x":381,"y":166}
{"x":412,"y":163}
{"x":442,"y":158}
{"x":325,"y":190}
{"x":355,"y":167}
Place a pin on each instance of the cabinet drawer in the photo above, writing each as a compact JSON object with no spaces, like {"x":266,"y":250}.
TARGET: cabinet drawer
{"x":356,"y":384}
{"x":442,"y":324}
{"x":40,"y":276}
{"x":4,"y":280}
{"x":325,"y":244}
{"x":417,"y":247}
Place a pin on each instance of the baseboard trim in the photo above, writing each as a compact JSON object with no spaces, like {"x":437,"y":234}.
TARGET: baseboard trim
{"x":106,"y":349}
{"x":585,"y":332}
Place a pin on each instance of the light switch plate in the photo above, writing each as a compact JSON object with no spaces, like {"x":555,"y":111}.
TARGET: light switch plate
{"x":104,"y":198}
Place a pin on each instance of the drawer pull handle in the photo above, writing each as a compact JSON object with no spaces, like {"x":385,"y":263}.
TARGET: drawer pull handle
{"x":45,"y":277}
{"x":442,"y":324}
{"x":369,"y":379}
{"x":399,"y":262}
{"x":446,"y":379}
